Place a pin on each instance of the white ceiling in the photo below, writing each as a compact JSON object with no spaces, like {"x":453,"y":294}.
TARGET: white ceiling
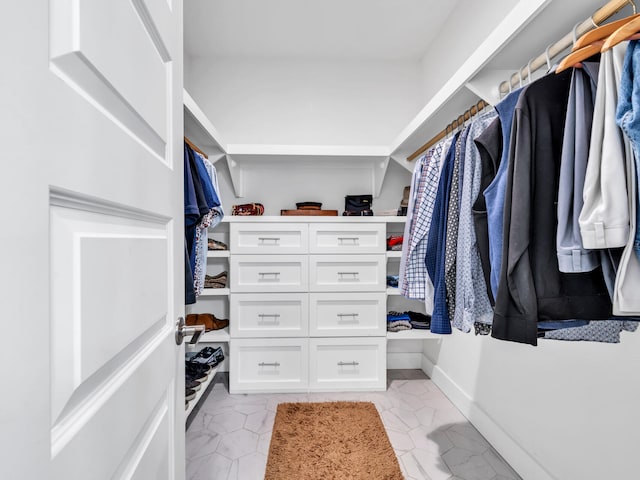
{"x":329,"y":29}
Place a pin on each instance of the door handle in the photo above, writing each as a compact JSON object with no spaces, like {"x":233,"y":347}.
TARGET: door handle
{"x":182,"y":331}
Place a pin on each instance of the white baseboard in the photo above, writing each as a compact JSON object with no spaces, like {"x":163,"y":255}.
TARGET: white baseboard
{"x":519,"y":459}
{"x":397,"y":360}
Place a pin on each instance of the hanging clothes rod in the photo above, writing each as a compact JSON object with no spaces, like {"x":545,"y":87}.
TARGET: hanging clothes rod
{"x":458,"y":122}
{"x":604,"y":13}
{"x":194,"y":147}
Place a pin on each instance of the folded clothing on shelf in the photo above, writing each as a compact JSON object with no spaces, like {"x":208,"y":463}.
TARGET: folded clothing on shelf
{"x":392,"y":281}
{"x":247,"y":209}
{"x":394,"y":242}
{"x":397,"y":321}
{"x":216,"y":281}
{"x":213,"y":244}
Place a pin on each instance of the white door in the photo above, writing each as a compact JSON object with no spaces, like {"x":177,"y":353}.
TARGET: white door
{"x":91,"y":239}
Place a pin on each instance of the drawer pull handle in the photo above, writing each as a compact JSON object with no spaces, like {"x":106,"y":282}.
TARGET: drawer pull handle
{"x":265,"y":364}
{"x":342,"y":364}
{"x":272,"y":276}
{"x":274,"y":315}
{"x":348,"y":315}
{"x":354,"y":275}
{"x":274,"y":240}
{"x":352,"y":240}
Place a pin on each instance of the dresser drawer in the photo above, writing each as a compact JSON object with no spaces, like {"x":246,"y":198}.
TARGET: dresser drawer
{"x":268,"y":273}
{"x":341,"y":238}
{"x":268,"y":365}
{"x":356,"y":273}
{"x":269,"y":314}
{"x":343,"y":364}
{"x":347,"y":314}
{"x":278,"y":238}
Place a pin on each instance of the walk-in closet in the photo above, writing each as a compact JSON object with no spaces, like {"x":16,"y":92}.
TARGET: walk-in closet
{"x":343,"y":239}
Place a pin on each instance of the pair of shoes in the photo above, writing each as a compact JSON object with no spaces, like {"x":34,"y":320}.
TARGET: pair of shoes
{"x":189,"y":394}
{"x":197,"y":371}
{"x":209,"y":321}
{"x":213,"y":244}
{"x":208,"y":356}
{"x":216,"y":281}
{"x":192,"y":384}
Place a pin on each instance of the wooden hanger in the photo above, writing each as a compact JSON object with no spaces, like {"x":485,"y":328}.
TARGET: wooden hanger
{"x":575,"y":58}
{"x":627,"y":32}
{"x":194,"y":147}
{"x":602,"y":32}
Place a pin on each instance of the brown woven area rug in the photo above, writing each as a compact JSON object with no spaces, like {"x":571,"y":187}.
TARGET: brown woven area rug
{"x":335,"y":440}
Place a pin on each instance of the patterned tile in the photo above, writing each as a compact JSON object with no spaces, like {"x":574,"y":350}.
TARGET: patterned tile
{"x":252,"y":466}
{"x":260,"y":422}
{"x":400,"y":441}
{"x":201,"y":443}
{"x":237,"y":444}
{"x":499,"y":465}
{"x":229,"y":436}
{"x":215,"y":466}
{"x":227,"y":422}
{"x":475,"y":467}
{"x":436,"y":442}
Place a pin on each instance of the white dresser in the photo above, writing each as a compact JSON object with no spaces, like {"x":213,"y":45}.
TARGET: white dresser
{"x":307,"y":305}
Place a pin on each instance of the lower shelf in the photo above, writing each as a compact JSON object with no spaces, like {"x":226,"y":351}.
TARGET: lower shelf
{"x":414,"y":334}
{"x":203,"y":388}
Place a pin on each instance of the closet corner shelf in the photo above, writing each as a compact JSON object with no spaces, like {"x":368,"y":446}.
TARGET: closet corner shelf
{"x":203,"y":388}
{"x":200,"y":130}
{"x":460,"y":90}
{"x":393,"y":291}
{"x":412,"y":335}
{"x":394,"y":254}
{"x":218,"y":253}
{"x":214,"y":292}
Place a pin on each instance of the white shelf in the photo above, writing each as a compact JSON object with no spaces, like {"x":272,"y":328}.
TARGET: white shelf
{"x":394,"y":253}
{"x":215,"y":336}
{"x":414,"y":334}
{"x":203,"y":388}
{"x":217,"y":253}
{"x":310,"y":219}
{"x":393,"y":291}
{"x":215,"y":292}
{"x":200,"y":130}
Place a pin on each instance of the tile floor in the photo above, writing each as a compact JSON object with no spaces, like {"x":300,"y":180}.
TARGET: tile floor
{"x":228,"y":435}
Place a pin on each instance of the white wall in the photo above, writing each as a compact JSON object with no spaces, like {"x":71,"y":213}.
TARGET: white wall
{"x":293,"y":102}
{"x":565,"y":411}
{"x":469,"y":20}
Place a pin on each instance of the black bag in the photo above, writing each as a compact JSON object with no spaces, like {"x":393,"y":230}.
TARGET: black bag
{"x":358,"y":205}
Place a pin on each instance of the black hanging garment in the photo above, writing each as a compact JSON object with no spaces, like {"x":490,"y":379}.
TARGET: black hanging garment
{"x":531,"y":286}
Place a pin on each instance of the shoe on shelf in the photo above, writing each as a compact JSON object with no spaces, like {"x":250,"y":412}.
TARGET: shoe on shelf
{"x":189,"y":394}
{"x":192,"y":384}
{"x":197,"y":371}
{"x":208,"y":356}
{"x":211,"y":322}
{"x":213,"y":244}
